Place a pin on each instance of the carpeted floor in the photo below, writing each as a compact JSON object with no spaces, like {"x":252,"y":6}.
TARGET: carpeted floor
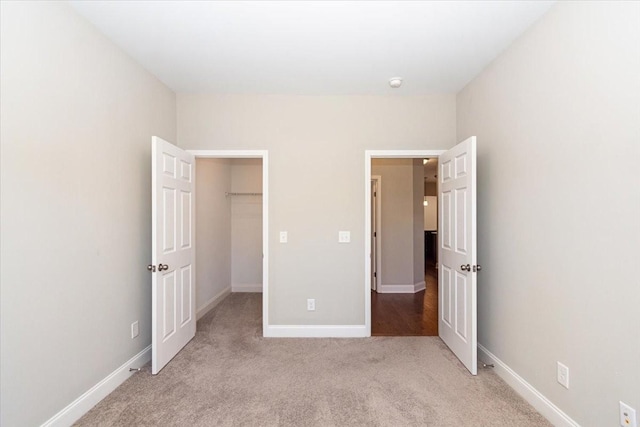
{"x":230,"y":376}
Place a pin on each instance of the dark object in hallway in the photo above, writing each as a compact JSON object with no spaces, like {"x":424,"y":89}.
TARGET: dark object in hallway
{"x":407,"y":314}
{"x":430,"y":249}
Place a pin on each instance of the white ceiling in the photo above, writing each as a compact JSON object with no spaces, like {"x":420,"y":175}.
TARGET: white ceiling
{"x":313,"y":47}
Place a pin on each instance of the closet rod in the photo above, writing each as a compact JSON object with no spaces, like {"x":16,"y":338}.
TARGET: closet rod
{"x":242,"y":194}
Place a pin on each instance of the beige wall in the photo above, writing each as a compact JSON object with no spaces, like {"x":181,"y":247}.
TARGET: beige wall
{"x":246,"y":225}
{"x":402,"y":228}
{"x":397,"y":220}
{"x":77,"y":119}
{"x":316,"y":153}
{"x":213,"y":230}
{"x":557,"y":118}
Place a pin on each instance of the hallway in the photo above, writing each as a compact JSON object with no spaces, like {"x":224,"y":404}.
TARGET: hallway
{"x":407,"y":314}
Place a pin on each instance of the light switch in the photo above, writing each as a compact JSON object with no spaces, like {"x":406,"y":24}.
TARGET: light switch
{"x":344,"y":237}
{"x":283,"y":237}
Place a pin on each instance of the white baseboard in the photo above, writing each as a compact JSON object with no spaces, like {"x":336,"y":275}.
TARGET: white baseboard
{"x":401,"y":289}
{"x":395,"y":289}
{"x":315,"y":331}
{"x":212,"y":302}
{"x":543,"y":405}
{"x":76,"y":409}
{"x":257,"y":287}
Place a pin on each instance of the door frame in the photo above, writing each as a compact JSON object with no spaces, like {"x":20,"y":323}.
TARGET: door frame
{"x":368,"y":156}
{"x":252,"y":154}
{"x":378,"y":230}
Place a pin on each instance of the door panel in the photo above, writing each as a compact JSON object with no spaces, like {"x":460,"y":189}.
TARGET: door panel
{"x":445,"y":292}
{"x":186,"y":297}
{"x":461,"y":221}
{"x":461,"y":306}
{"x":457,"y":322}
{"x":185,"y":219}
{"x":168,"y":312}
{"x":173,"y":287}
{"x":445,"y":226}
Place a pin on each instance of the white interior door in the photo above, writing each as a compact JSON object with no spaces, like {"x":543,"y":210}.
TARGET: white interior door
{"x":457,"y":320}
{"x":173,"y":251}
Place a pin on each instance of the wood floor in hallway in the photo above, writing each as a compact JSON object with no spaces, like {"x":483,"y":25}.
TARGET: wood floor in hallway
{"x":407,"y":314}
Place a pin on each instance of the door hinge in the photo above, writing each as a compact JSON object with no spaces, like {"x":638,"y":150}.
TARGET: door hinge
{"x":151,"y":268}
{"x":375,"y":194}
{"x":375,"y":234}
{"x":375,"y":274}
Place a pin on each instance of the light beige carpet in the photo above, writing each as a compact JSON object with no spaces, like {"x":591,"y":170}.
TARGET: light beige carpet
{"x":230,"y":376}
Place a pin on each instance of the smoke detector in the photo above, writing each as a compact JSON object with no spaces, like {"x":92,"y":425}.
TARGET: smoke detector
{"x":395,"y":82}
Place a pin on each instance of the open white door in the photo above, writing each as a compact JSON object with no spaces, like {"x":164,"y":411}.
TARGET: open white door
{"x":173,"y":251}
{"x":457,"y":320}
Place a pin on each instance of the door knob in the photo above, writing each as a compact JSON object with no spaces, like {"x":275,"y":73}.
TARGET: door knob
{"x":151,"y":268}
{"x":162,"y":267}
{"x":465,"y":267}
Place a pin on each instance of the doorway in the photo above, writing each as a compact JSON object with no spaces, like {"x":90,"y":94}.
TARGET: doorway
{"x":457,"y":244}
{"x":228,"y":229}
{"x":369,"y":156}
{"x":173,"y":244}
{"x":243,"y":187}
{"x":404,"y":295}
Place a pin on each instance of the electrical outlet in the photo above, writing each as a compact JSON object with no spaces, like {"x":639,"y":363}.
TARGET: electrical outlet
{"x":283,"y":237}
{"x":311,"y":304}
{"x":135,"y":331}
{"x":563,"y":375}
{"x":627,"y":416}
